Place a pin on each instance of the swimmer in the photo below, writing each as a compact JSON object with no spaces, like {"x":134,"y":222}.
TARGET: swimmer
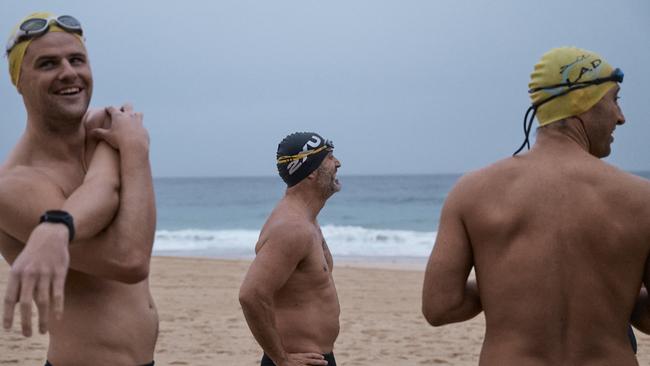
{"x":288,"y":296}
{"x":558,"y":238}
{"x":77,"y":214}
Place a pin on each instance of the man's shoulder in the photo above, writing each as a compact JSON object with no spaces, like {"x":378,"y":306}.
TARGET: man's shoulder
{"x":624,"y":179}
{"x":289,"y":227}
{"x":494,"y":174}
{"x":290,"y":232}
{"x":96,"y":118}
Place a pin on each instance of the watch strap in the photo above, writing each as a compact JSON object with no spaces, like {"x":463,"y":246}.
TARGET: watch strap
{"x":60,"y":217}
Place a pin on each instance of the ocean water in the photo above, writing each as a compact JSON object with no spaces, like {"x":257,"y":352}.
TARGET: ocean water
{"x":372,"y":216}
{"x":379,"y":217}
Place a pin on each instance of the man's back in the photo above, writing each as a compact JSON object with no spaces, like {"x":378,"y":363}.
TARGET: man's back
{"x":559,"y":252}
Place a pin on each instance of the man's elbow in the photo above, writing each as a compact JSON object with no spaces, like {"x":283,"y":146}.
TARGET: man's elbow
{"x":251,"y":298}
{"x":133,"y":271}
{"x":436,"y":319}
{"x":247,"y":298}
{"x":436,"y":309}
{"x":432,"y":317}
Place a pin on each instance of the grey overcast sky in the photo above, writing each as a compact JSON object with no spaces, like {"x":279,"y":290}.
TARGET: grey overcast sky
{"x":401,"y":87}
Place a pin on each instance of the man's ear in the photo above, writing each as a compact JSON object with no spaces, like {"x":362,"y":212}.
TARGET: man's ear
{"x":313,"y":174}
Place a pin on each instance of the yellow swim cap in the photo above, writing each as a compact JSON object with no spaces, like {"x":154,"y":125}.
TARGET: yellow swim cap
{"x":567,"y":66}
{"x":17,"y":53}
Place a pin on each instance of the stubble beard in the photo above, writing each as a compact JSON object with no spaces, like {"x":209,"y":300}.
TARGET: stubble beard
{"x":327,"y":183}
{"x":62,"y":117}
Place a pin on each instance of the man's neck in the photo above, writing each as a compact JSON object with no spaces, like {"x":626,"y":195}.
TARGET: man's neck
{"x":572,"y":136}
{"x":306,"y":200}
{"x":55,"y":140}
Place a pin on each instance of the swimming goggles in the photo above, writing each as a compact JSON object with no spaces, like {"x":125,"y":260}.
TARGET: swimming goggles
{"x":616,"y":76}
{"x":36,"y":27}
{"x":329,"y":145}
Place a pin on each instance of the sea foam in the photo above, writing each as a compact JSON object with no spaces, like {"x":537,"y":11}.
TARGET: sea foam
{"x":352,"y":241}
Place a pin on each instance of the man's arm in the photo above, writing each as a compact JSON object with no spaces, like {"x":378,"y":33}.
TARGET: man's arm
{"x":272,"y":267}
{"x":122,"y":252}
{"x":101,"y":183}
{"x":447,"y":296}
{"x":39,"y":271}
{"x":25,"y":194}
{"x":94,"y":204}
{"x":43,"y":264}
{"x":641,"y":313}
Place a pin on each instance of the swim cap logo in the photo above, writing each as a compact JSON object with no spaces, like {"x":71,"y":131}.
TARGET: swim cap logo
{"x":584,"y":69}
{"x":314,"y":142}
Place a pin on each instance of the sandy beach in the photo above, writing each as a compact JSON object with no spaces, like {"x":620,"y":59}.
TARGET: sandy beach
{"x":201,"y":322}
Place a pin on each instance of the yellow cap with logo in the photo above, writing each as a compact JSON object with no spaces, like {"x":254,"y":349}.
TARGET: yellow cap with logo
{"x":35,"y":25}
{"x":562,"y":70}
{"x":567,"y":81}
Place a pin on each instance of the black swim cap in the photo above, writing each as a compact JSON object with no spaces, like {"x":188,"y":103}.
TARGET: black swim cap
{"x":299,"y":154}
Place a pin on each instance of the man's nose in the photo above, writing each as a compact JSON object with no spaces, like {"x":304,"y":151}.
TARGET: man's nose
{"x":68,"y":72}
{"x":621,"y":117}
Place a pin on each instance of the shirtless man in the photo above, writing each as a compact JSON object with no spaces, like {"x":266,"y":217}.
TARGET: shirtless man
{"x":104,"y":225}
{"x":558,"y":238}
{"x":288,"y":295}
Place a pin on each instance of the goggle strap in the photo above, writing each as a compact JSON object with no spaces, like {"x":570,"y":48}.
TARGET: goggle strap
{"x":289,"y":158}
{"x":528,"y":124}
{"x":616,"y":76}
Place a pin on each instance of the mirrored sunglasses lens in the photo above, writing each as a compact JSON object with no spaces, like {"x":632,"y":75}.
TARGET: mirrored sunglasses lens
{"x":69,"y":21}
{"x":32,"y":25}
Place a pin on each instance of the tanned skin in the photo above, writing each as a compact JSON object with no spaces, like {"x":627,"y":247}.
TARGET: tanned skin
{"x":109,"y":316}
{"x":559,"y":241}
{"x":288,"y":295}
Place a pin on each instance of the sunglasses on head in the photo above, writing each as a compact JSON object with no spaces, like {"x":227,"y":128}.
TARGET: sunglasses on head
{"x":36,"y":27}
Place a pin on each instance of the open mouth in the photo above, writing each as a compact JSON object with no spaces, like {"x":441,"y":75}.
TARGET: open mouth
{"x":68,"y":91}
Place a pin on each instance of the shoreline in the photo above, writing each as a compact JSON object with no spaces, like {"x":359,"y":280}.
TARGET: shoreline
{"x":371,"y":262}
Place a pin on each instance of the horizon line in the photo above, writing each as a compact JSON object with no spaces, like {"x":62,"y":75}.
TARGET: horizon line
{"x":343,"y":175}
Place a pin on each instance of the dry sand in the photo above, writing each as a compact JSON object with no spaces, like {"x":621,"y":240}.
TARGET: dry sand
{"x":201,"y":322}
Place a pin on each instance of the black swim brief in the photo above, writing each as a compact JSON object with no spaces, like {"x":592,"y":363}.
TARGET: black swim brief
{"x":630,"y":334}
{"x":47,"y":363}
{"x":329,"y":357}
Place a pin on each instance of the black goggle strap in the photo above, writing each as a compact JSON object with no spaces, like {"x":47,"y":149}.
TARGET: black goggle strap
{"x":528,"y":124}
{"x":616,"y":76}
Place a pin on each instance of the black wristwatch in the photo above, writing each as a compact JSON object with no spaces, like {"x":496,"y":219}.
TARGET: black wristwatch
{"x":60,"y":217}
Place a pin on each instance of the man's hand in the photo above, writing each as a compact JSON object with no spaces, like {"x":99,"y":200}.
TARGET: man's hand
{"x":304,"y":359}
{"x":126,"y":128}
{"x":38,"y":273}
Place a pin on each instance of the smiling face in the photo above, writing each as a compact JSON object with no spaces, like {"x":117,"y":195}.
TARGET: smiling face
{"x":56,"y":81}
{"x":601,"y":121}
